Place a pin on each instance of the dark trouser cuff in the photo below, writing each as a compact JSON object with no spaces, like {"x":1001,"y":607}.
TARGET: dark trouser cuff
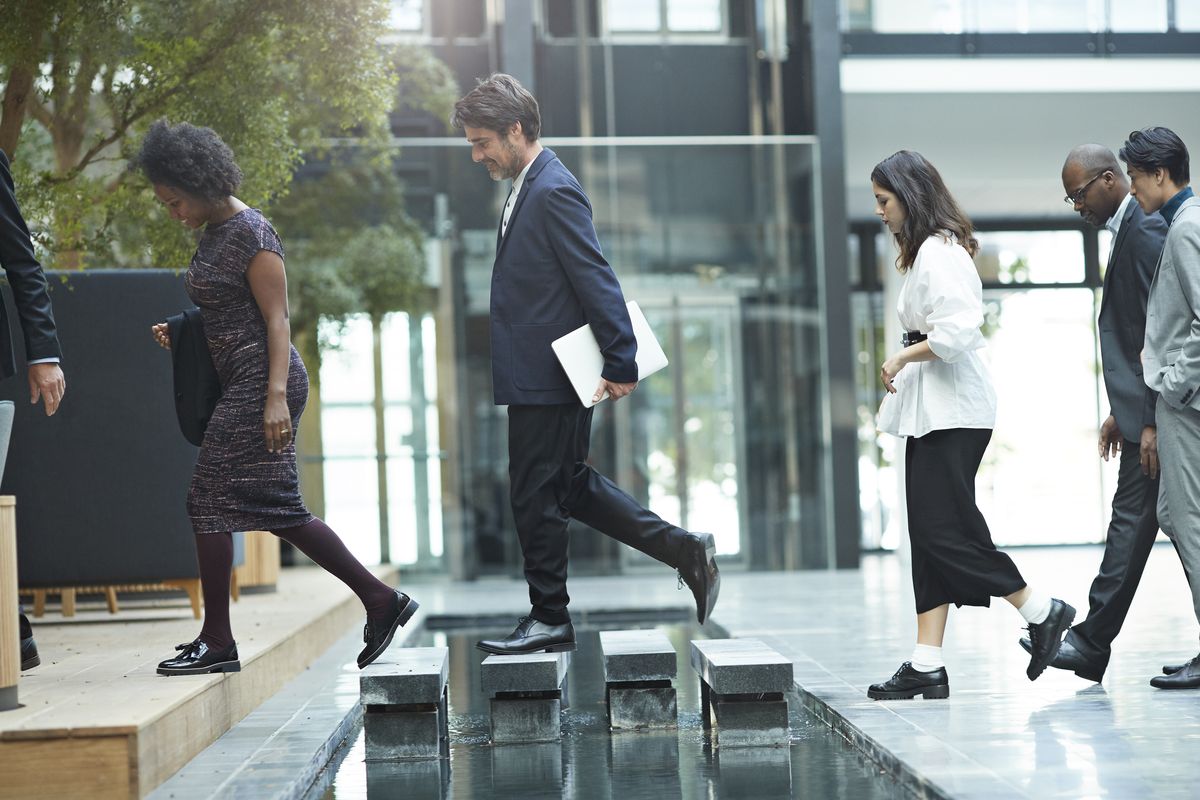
{"x":551,"y":617}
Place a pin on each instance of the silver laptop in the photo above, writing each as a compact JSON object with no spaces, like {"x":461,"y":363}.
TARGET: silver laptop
{"x":581,"y":359}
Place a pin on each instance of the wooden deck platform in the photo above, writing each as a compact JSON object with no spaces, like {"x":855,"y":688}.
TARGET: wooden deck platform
{"x":97,"y":721}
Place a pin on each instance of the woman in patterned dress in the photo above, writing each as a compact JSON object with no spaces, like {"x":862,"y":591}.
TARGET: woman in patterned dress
{"x":245,"y":477}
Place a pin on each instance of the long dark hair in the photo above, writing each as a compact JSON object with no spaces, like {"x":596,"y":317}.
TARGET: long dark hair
{"x":928,"y":204}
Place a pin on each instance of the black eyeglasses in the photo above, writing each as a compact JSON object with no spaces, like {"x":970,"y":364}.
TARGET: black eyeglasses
{"x":1077,"y":195}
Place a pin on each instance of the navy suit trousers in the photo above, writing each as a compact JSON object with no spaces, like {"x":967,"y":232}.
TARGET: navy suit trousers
{"x":551,"y":483}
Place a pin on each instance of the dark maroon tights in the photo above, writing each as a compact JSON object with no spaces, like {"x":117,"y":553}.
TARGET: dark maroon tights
{"x":316,"y":540}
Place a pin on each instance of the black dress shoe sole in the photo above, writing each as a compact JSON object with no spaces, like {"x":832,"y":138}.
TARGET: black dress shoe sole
{"x":564,"y":647}
{"x":30,"y":663}
{"x":1165,"y":682}
{"x":405,"y":615}
{"x":1088,"y":674}
{"x":939,"y":691}
{"x":705,"y":606}
{"x":224,"y":666}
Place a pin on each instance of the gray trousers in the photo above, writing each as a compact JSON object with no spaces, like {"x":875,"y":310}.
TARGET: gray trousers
{"x":1179,"y":489}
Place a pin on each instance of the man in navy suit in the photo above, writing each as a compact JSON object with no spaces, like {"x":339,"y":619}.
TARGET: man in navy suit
{"x":550,"y":278}
{"x":42,"y":351}
{"x":1098,"y":190}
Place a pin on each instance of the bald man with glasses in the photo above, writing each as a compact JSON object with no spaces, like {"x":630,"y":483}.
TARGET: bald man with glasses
{"x":1098,"y":190}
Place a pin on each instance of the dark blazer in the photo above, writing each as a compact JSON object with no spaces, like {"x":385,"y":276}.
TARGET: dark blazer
{"x":27,"y":281}
{"x":1131,"y":265}
{"x":197,"y":387}
{"x":550,"y":278}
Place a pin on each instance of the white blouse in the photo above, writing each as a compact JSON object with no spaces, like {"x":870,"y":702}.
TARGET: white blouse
{"x":942,"y":297}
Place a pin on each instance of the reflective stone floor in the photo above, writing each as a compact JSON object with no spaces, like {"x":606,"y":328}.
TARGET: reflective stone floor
{"x":997,"y":736}
{"x":592,"y":762}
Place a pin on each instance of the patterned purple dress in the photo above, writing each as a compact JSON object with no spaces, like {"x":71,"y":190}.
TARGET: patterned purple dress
{"x":238,"y":485}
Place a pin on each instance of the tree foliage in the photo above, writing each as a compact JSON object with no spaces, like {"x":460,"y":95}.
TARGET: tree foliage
{"x":84,"y":78}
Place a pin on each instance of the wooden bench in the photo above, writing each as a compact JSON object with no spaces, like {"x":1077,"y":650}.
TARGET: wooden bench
{"x":527,"y":693}
{"x":742,"y":686}
{"x":638,"y":669}
{"x":404,"y":697}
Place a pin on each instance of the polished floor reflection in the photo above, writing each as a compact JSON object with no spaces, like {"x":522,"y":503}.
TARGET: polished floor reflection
{"x":592,"y":762}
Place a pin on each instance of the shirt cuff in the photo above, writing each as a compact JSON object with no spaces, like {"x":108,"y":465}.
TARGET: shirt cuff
{"x":51,"y":360}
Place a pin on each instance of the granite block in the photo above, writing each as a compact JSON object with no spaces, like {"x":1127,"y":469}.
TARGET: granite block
{"x":405,"y":676}
{"x":535,"y":672}
{"x":740,"y":666}
{"x":522,"y":721}
{"x":751,"y":724}
{"x":642,"y":707}
{"x":645,"y":655}
{"x":392,"y":736}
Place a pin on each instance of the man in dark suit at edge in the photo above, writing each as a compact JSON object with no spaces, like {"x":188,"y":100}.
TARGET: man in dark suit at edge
{"x":1098,"y":189}
{"x":549,"y":278}
{"x":42,"y":351}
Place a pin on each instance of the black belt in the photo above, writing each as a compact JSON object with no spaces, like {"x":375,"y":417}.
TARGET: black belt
{"x":909,"y":338}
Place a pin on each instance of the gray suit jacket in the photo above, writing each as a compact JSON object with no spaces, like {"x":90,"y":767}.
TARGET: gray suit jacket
{"x":1122,"y":321}
{"x":1172,"y":355}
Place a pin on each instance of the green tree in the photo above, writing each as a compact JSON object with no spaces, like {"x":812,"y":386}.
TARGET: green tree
{"x":83,"y":79}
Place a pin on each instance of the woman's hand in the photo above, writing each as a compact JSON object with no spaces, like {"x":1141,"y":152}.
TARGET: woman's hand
{"x":277,"y":423}
{"x":890,"y":369}
{"x":162,"y":335}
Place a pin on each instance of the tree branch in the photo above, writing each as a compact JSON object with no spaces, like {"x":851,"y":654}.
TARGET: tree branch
{"x":16,"y":100}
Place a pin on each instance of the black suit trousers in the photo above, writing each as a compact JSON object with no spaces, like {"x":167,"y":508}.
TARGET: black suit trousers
{"x":551,"y":483}
{"x":1131,"y":534}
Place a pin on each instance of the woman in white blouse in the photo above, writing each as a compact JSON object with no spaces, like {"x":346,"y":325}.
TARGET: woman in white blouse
{"x":940,"y":399}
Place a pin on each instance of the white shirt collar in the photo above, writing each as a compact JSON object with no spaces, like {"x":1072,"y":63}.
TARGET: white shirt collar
{"x":520,"y":179}
{"x":1114,"y":222}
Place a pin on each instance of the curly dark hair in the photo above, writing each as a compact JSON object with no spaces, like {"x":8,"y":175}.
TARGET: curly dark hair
{"x":189,"y":158}
{"x":928,"y":205}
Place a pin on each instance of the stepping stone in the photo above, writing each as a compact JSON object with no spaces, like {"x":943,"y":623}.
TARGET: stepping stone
{"x":526,"y":695}
{"x":742,"y":685}
{"x":404,"y":698}
{"x":638,"y":669}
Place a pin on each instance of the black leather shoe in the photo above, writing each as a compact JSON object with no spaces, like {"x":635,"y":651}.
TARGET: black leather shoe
{"x":907,"y":683}
{"x":1186,"y":677}
{"x":197,"y":658}
{"x":532,"y":636}
{"x":1171,"y":669}
{"x":29,"y":651}
{"x":1045,"y":638}
{"x":1070,"y":659}
{"x":378,"y":633}
{"x":29,"y":654}
{"x":698,"y":569}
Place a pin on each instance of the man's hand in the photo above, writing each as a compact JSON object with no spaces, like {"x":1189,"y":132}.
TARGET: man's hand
{"x":1110,"y":438}
{"x":46,"y":382}
{"x":1149,"y":451}
{"x":615,"y":390}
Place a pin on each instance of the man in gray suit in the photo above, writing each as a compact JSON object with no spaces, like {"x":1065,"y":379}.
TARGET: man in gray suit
{"x":1157,"y":161}
{"x":1097,"y":189}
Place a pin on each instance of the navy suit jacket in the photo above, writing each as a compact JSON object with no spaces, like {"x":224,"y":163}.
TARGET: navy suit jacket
{"x":27,"y":281}
{"x":1122,"y":321}
{"x":549,"y":278}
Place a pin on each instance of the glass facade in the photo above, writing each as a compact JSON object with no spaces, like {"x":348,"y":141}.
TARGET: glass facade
{"x":719,"y":240}
{"x":1041,"y":299}
{"x":1018,"y":16}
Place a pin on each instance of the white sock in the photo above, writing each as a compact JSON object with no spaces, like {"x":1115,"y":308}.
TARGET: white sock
{"x":1036,"y":608}
{"x":927,"y":658}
